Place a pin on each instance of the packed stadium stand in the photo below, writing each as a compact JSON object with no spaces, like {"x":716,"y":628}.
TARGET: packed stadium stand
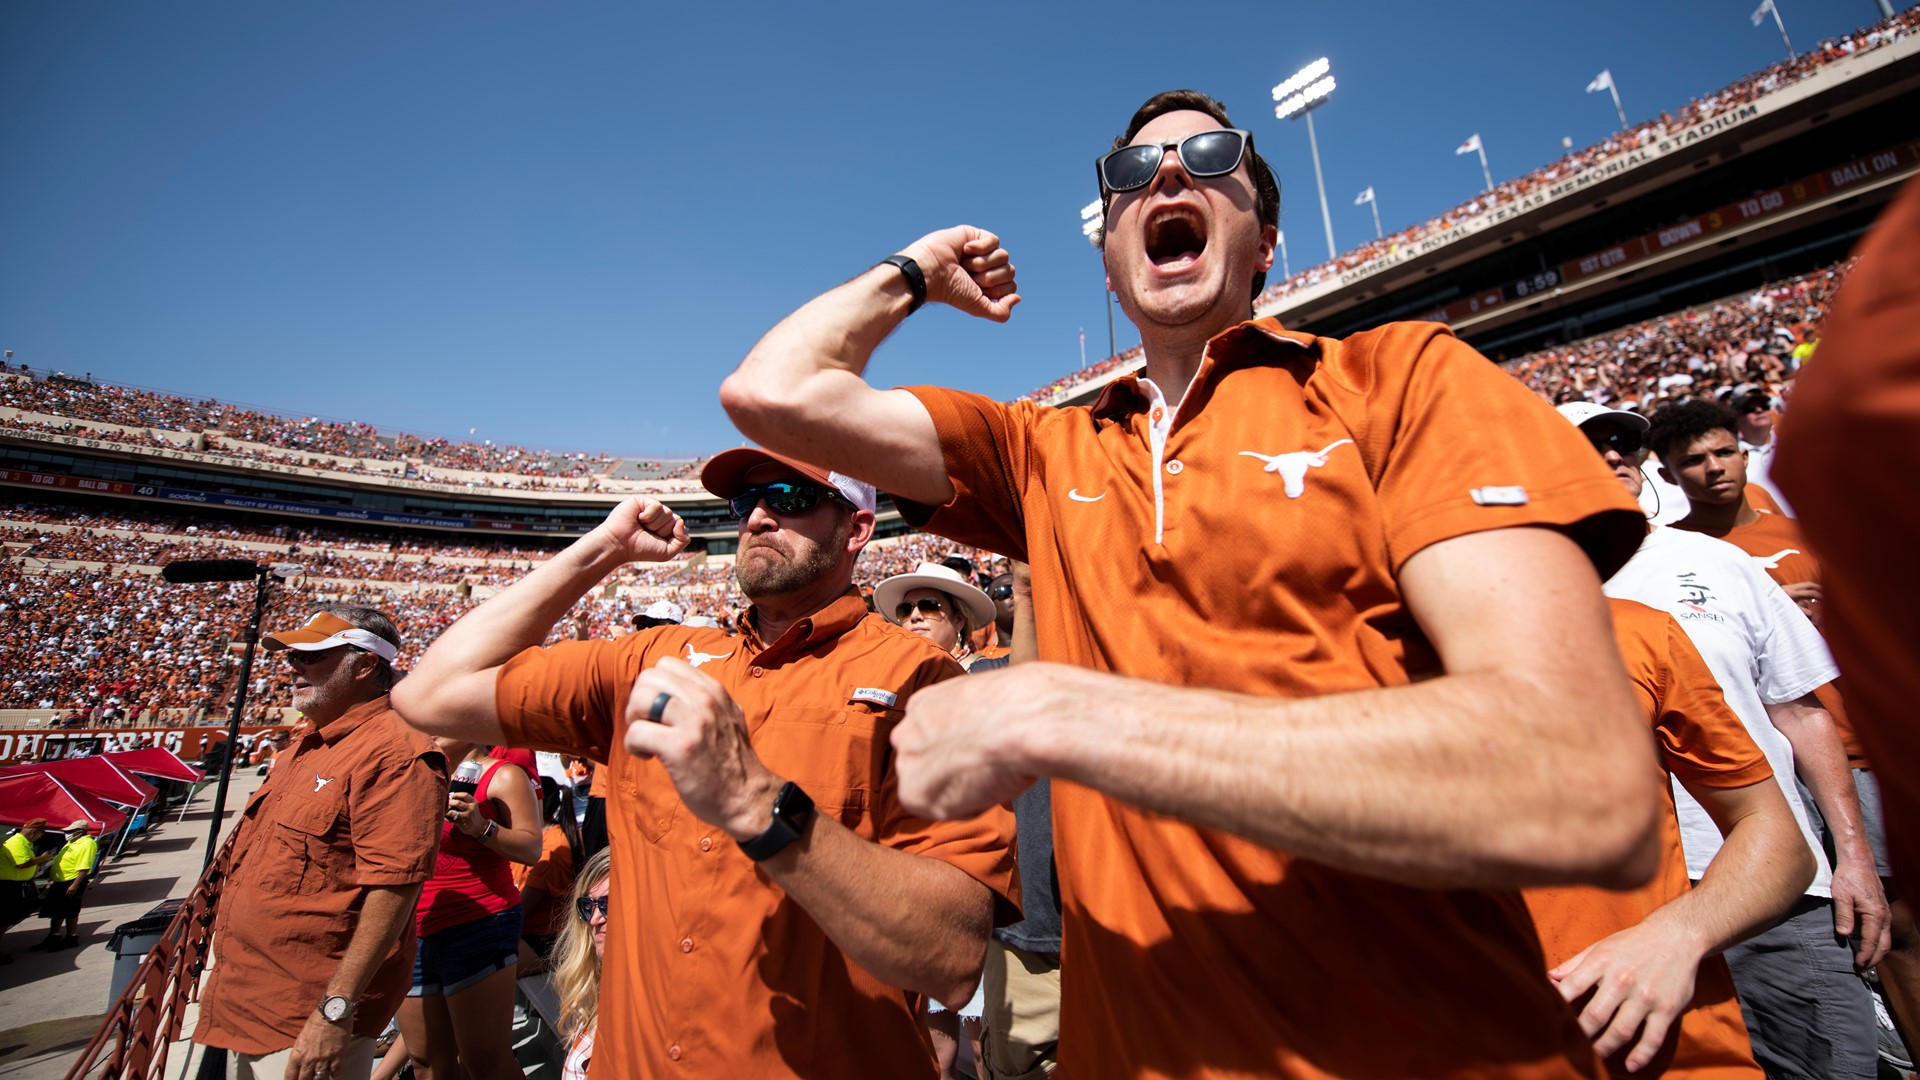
{"x":1691,"y":254}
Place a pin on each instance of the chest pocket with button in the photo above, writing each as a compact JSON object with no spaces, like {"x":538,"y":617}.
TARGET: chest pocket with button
{"x":838,"y":755}
{"x":305,"y":853}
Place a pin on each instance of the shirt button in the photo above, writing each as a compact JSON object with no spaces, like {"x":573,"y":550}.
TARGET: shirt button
{"x":686,"y":944}
{"x":758,"y":671}
{"x":1174,"y":467}
{"x":706,"y":843}
{"x":674,"y":1051}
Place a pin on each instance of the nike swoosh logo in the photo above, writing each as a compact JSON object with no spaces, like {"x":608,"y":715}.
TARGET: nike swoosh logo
{"x":1075,"y":495}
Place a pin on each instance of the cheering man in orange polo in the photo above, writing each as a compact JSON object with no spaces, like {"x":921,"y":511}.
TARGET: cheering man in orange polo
{"x":776,"y":909}
{"x":1333,"y":675}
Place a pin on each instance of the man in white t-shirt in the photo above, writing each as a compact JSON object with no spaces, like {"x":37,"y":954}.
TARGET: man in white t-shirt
{"x":1806,"y":1012}
{"x":1754,"y":406}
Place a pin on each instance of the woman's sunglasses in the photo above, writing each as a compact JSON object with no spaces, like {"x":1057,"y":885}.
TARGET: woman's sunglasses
{"x":1210,"y":153}
{"x":927,"y":605}
{"x":587,"y":905}
{"x":783,"y":497}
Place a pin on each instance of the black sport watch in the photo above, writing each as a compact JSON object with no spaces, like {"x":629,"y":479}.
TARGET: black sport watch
{"x":792,"y":813}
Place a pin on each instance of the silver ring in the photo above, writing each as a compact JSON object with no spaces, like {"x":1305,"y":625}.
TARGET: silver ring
{"x":659,"y":706}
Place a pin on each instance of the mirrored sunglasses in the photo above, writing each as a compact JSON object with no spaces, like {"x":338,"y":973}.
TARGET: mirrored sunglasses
{"x":782,"y":497}
{"x":587,"y":905}
{"x":1207,"y":154}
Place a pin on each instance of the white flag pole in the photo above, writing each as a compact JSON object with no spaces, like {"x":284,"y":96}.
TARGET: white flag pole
{"x":1285,"y":270}
{"x":1374,"y":205}
{"x":1615,"y":91}
{"x":1481,"y":146}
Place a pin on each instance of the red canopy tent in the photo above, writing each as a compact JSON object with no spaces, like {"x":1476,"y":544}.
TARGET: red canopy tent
{"x":95,"y":775}
{"x":28,"y":795}
{"x":155,"y":761}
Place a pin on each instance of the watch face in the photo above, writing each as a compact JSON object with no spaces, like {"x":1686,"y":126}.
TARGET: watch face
{"x":334,"y":1009}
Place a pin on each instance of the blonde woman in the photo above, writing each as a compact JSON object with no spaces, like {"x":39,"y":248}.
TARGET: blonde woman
{"x":576,"y":964}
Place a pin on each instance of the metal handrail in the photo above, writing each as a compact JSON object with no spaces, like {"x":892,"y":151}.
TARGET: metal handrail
{"x":146,"y":1019}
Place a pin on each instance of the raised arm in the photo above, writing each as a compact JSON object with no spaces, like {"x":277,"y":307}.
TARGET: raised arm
{"x":450,"y":691}
{"x":1526,"y":764}
{"x":800,"y":392}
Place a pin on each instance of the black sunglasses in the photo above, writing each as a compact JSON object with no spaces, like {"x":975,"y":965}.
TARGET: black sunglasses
{"x":1002,"y":591}
{"x":1210,"y":153}
{"x":587,"y":905}
{"x":1624,"y":443}
{"x":783,"y":497}
{"x":927,"y":604}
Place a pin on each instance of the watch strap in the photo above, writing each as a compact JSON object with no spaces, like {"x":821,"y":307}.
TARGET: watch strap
{"x":792,"y":813}
{"x":916,"y":280}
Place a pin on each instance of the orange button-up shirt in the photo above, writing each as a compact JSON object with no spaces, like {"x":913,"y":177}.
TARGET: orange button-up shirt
{"x":1249,"y":540}
{"x":1702,"y":743}
{"x":710,"y":969}
{"x":357,"y":804}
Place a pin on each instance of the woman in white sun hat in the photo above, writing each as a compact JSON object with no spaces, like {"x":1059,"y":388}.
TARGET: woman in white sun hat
{"x":938,"y":604}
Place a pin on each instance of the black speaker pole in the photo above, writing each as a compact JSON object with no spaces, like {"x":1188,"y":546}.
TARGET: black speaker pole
{"x":262,"y":576}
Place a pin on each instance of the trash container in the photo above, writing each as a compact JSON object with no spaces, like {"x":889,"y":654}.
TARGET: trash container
{"x":131,"y":941}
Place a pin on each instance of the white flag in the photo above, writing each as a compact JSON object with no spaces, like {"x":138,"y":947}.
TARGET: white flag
{"x":1602,"y":81}
{"x":1363,"y":198}
{"x":1760,"y":13}
{"x":1473,"y":141}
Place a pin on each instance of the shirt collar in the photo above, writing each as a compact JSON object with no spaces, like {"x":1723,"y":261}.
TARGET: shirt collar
{"x":1247,"y":343}
{"x":351,"y":720}
{"x":821,"y":627}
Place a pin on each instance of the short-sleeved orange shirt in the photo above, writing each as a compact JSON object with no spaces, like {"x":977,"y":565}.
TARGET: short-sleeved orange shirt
{"x":553,"y":875}
{"x":711,"y":969}
{"x":357,"y":804}
{"x":1777,"y":546}
{"x":1701,"y":743}
{"x":1249,"y":540}
{"x":1859,"y":400}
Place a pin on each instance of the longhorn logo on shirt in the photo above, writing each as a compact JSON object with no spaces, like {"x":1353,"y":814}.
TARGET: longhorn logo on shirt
{"x":697,"y":658}
{"x":1772,"y":562}
{"x":320,"y":781}
{"x":1293,"y":467}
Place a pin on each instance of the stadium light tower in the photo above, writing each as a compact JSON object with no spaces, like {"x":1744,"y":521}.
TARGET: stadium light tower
{"x":1093,"y":219}
{"x":1304,"y":91}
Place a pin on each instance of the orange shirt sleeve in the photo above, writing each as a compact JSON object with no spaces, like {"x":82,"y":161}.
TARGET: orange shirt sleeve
{"x":988,"y":450}
{"x":1457,"y":446}
{"x":1702,"y":741}
{"x":397,"y":807}
{"x":565,"y":697}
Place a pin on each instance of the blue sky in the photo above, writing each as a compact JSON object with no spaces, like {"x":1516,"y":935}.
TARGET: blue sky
{"x":562,"y":224}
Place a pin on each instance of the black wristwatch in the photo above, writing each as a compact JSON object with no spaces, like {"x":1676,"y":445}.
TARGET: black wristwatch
{"x":792,"y":813}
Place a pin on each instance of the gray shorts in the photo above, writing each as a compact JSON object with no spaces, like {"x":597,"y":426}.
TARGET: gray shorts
{"x":1808,"y":1013}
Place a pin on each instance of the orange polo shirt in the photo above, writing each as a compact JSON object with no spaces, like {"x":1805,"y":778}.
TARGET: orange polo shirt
{"x":357,"y":804}
{"x":1249,"y":541}
{"x":1779,"y":548}
{"x":710,"y":968}
{"x":1701,"y":743}
{"x":1858,"y":400}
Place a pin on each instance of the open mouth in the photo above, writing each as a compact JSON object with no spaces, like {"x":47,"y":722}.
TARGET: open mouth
{"x":1176,"y":236}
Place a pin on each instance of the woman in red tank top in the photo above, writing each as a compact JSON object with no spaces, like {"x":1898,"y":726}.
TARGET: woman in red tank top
{"x":458,"y":1018}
